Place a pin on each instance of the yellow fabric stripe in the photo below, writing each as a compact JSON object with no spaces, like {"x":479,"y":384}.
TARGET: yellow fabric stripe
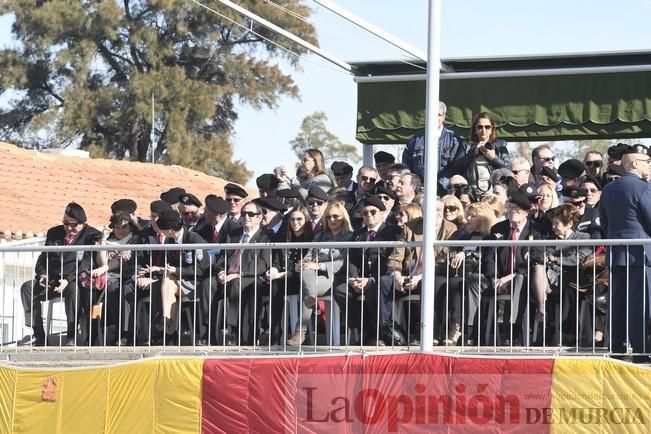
{"x":600,"y":395}
{"x":7,"y":389}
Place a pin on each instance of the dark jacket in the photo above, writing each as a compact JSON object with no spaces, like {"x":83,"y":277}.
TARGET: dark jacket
{"x":465,"y":164}
{"x":188,"y":263}
{"x":372,"y":262}
{"x":254,"y":263}
{"x":65,"y":265}
{"x":523,"y":255}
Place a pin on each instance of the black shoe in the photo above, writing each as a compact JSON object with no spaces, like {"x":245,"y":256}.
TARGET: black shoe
{"x":263,"y":340}
{"x":69,"y":342}
{"x":31,"y":340}
{"x":376,"y":343}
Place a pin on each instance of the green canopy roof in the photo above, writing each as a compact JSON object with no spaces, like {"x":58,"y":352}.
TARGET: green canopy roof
{"x":547,"y":98}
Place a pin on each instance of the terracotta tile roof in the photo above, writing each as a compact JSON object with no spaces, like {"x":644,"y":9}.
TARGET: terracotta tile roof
{"x":37,"y":186}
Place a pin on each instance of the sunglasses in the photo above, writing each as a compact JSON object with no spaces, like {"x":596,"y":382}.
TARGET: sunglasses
{"x":189,"y":213}
{"x":369,"y":212}
{"x":456,"y":186}
{"x":548,"y":159}
{"x":578,"y":202}
{"x":67,"y":223}
{"x":297,"y":219}
{"x":315,"y":202}
{"x":484,"y":127}
{"x":591,"y":190}
{"x":384,"y":197}
{"x":401,"y":214}
{"x":333,"y":217}
{"x":450,"y":208}
{"x":368,"y":179}
{"x":250,"y":214}
{"x":515,"y":172}
{"x":593,"y":163}
{"x":233,"y":199}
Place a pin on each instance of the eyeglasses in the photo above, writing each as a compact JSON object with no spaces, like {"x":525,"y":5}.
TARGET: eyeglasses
{"x":456,"y":186}
{"x":315,"y":202}
{"x":368,"y":179}
{"x":67,"y":223}
{"x":233,"y":199}
{"x":483,"y":127}
{"x":369,"y":212}
{"x":333,"y":217}
{"x":189,"y":213}
{"x":297,"y":219}
{"x":451,"y":208}
{"x":306,"y":159}
{"x":266,"y":211}
{"x":548,"y":159}
{"x":593,"y":163}
{"x":578,"y":202}
{"x":384,"y":197}
{"x":591,"y":190}
{"x":401,"y":214}
{"x":515,"y":172}
{"x":250,"y":214}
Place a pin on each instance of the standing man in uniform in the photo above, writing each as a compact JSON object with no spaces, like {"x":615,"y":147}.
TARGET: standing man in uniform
{"x":625,"y":211}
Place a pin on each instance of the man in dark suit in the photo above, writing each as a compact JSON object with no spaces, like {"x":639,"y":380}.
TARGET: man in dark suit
{"x":317,"y":202}
{"x":235,"y":196}
{"x":625,"y":211}
{"x":242,"y":271}
{"x":343,"y":173}
{"x":213,"y":219}
{"x":512,"y":269}
{"x":366,"y":267}
{"x":56,"y":274}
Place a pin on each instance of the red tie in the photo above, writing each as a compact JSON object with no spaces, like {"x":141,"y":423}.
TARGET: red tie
{"x":68,"y":240}
{"x":234,"y":263}
{"x":313,"y":225}
{"x":371,"y":235}
{"x":214,"y":234}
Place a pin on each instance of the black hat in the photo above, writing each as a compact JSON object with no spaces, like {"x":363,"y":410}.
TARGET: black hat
{"x":290,"y":193}
{"x":549,"y":173}
{"x":615,"y":170}
{"x":169,"y":219}
{"x":375,"y":201}
{"x":529,"y":190}
{"x":615,"y":152}
{"x":317,"y":193}
{"x":520,"y":199}
{"x":340,"y":168}
{"x":593,"y":180}
{"x":74,"y":210}
{"x":190,"y":199}
{"x":173,"y":195}
{"x":571,"y":168}
{"x":217,"y":204}
{"x":235,"y":190}
{"x":636,"y":149}
{"x":384,"y":157}
{"x":124,"y":205}
{"x":267,"y":181}
{"x":271,"y":203}
{"x":158,"y":206}
{"x":573,"y":192}
{"x":381,"y":189}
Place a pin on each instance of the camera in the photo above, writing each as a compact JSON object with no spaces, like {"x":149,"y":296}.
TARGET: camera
{"x":489,"y":146}
{"x":406,"y":281}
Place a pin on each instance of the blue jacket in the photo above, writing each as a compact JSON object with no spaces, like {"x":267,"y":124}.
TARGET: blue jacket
{"x":413,"y":155}
{"x":625,"y":213}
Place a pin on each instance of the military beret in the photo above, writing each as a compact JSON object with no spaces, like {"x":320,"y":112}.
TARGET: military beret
{"x":173,"y":195}
{"x":573,"y":192}
{"x":190,"y":199}
{"x":271,"y":203}
{"x":169,"y":219}
{"x":289,"y":193}
{"x":158,"y":206}
{"x":124,"y":205}
{"x":217,"y":204}
{"x":592,"y":180}
{"x":267,"y":181}
{"x":529,"y":190}
{"x":235,"y":190}
{"x":74,"y":210}
{"x":383,"y":157}
{"x":317,"y":193}
{"x":636,"y":149}
{"x":381,"y":189}
{"x":571,"y":168}
{"x":340,"y":168}
{"x":549,"y":173}
{"x":520,"y":200}
{"x":615,"y":170}
{"x":375,"y":201}
{"x":616,"y":152}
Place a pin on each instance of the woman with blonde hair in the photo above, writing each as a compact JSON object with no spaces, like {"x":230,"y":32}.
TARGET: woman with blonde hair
{"x":408,"y":212}
{"x":497,"y":204}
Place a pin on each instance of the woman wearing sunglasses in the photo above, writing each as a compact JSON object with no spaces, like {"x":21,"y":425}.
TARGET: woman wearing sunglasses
{"x":453,"y":211}
{"x":484,"y":153}
{"x":312,"y":173}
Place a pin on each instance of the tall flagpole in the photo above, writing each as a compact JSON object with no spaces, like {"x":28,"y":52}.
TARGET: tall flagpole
{"x":431,"y":173}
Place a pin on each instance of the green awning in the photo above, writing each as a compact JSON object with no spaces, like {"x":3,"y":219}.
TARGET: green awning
{"x":551,"y":107}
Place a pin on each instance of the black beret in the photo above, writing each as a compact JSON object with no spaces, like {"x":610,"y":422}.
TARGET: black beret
{"x":571,"y":168}
{"x":158,"y":206}
{"x":636,"y":149}
{"x":267,"y":181}
{"x":381,"y":189}
{"x":173,"y":195}
{"x":375,"y":201}
{"x":340,"y":168}
{"x":616,"y":152}
{"x":190,"y":199}
{"x":74,"y":210}
{"x":520,"y":200}
{"x":289,"y":192}
{"x":235,"y":190}
{"x":615,"y":170}
{"x":383,"y":157}
{"x":529,"y":190}
{"x":271,"y":203}
{"x":169,"y":219}
{"x":317,"y":193}
{"x":592,"y":180}
{"x":217,"y":204}
{"x":573,"y":192}
{"x":124,"y":205}
{"x":549,"y":173}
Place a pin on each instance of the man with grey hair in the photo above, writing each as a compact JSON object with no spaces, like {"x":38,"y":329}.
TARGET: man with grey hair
{"x":414,"y":154}
{"x":521,"y":169}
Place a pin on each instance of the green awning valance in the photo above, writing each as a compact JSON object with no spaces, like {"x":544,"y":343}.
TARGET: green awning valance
{"x":561,"y":107}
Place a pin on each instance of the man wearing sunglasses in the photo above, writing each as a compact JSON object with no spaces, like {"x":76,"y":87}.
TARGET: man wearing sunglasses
{"x":625,"y":212}
{"x":190,"y":208}
{"x":56,"y":275}
{"x":234,"y":195}
{"x":541,"y":156}
{"x":592,"y":162}
{"x":367,"y":177}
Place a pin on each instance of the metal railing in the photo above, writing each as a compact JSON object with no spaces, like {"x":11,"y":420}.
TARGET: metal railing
{"x":339,"y":295}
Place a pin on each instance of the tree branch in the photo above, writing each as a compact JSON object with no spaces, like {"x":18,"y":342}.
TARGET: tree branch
{"x":108,"y":56}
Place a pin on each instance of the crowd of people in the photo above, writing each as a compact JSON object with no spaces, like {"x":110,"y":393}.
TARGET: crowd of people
{"x":483,"y":192}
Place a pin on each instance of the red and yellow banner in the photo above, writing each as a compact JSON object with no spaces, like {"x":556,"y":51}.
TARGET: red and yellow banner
{"x":404,"y":392}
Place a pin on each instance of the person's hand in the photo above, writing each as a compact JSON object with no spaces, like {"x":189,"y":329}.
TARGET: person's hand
{"x":273,"y":273}
{"x":457,"y":260}
{"x":42,"y":280}
{"x":144,"y":282}
{"x":502,"y":284}
{"x":413,"y":282}
{"x":489,"y":154}
{"x":170,"y":269}
{"x":310,"y":266}
{"x":359,"y":284}
{"x":106,"y":232}
{"x":63,"y":283}
{"x":99,"y":271}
